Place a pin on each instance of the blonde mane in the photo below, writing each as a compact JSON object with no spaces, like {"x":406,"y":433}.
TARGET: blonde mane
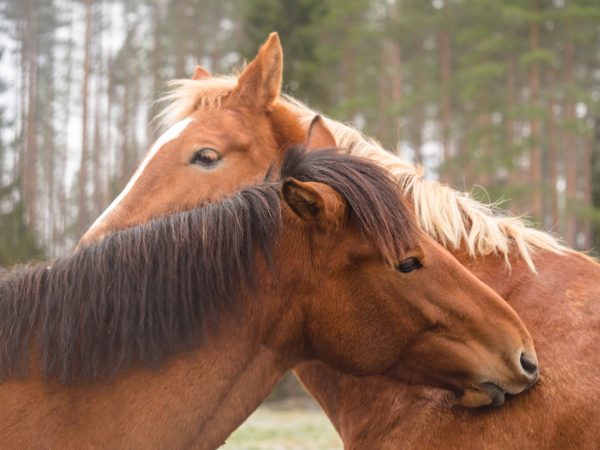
{"x":453,"y":218}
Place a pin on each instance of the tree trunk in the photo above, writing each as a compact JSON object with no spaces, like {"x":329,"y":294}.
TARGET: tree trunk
{"x":98,"y":152}
{"x":215,"y":52}
{"x":348,"y":76}
{"x":20,"y":143}
{"x":570,"y":142}
{"x":30,"y":155}
{"x":383,"y":82}
{"x":390,"y":93}
{"x":418,"y":110}
{"x":553,"y":163}
{"x":49,"y":154}
{"x":83,"y":165}
{"x":416,"y":132}
{"x":509,"y":123}
{"x":587,"y":190}
{"x":486,"y":171}
{"x":397,"y":85}
{"x":181,"y":45}
{"x":157,"y":82}
{"x":535,"y":168}
{"x":445,"y":100}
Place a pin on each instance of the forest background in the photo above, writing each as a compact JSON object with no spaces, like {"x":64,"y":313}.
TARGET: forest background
{"x":501,"y":98}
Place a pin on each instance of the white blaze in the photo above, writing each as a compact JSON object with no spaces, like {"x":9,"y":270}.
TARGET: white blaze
{"x":167,"y":136}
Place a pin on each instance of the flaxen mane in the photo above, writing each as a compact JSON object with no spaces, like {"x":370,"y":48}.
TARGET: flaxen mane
{"x":145,"y":292}
{"x":453,"y":218}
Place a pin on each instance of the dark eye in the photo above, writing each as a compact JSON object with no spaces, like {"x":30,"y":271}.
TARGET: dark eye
{"x":206,"y":157}
{"x":408,"y":265}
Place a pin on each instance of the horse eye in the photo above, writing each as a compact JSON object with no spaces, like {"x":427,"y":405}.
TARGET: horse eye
{"x":206,"y":157}
{"x":408,"y":265}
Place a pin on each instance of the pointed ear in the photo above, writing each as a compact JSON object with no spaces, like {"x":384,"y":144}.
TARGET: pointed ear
{"x":315,"y":203}
{"x":259,"y":84}
{"x":319,"y":136}
{"x":200,"y":73}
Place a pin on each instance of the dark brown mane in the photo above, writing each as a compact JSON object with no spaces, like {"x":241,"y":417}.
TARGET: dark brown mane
{"x":140,"y":294}
{"x":369,"y":190}
{"x":151,"y":290}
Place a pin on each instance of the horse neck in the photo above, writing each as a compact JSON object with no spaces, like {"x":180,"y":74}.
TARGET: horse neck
{"x":511,"y":281}
{"x":558,"y":306}
{"x":494,"y":271}
{"x":347,"y":401}
{"x":195,"y":398}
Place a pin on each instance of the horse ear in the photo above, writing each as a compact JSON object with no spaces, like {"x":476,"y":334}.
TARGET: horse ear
{"x":200,"y":73}
{"x":314,"y":203}
{"x":259,"y":84}
{"x":319,"y":136}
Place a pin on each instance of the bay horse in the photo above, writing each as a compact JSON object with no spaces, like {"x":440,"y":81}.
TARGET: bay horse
{"x":551,"y":287}
{"x":169,"y":334}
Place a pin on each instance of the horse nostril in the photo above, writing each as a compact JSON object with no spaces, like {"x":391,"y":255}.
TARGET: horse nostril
{"x":528,"y":366}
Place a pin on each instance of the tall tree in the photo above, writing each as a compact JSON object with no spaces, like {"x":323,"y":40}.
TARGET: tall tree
{"x":535,"y":157}
{"x":83,"y":215}
{"x":30,"y":72}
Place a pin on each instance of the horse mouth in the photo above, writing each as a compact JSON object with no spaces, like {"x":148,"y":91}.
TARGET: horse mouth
{"x":496,"y":393}
{"x":486,"y":394}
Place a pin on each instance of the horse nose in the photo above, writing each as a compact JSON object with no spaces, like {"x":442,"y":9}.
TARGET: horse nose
{"x":529,"y":366}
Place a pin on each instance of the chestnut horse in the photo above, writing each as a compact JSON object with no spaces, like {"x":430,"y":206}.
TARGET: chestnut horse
{"x":170,"y":334}
{"x":548,"y":285}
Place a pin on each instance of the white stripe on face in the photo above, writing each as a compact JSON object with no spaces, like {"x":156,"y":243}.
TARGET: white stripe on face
{"x":167,"y":136}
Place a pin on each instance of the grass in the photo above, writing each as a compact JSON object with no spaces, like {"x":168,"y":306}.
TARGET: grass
{"x":293,"y":425}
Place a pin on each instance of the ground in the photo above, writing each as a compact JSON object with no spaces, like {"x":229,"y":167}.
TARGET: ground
{"x":291,"y":425}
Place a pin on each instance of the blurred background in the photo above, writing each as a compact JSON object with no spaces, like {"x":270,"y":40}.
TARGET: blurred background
{"x":498,"y":97}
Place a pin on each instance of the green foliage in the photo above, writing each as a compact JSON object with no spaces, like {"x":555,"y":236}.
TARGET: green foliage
{"x":298,"y":24}
{"x":491,"y":80}
{"x":539,"y":56}
{"x":18,"y":244}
